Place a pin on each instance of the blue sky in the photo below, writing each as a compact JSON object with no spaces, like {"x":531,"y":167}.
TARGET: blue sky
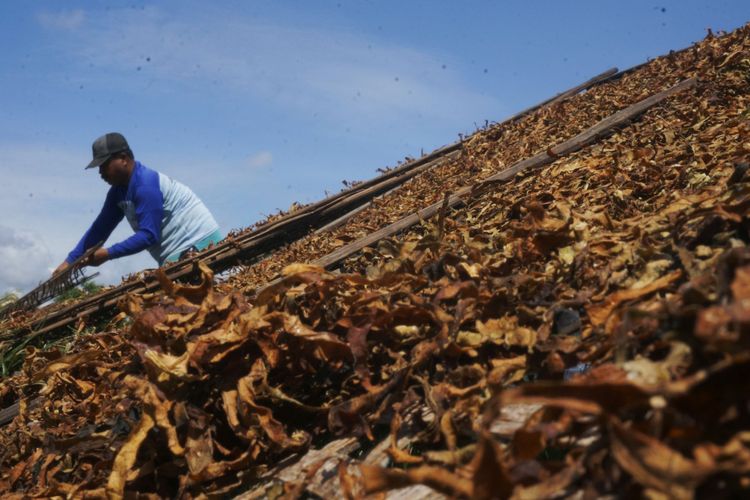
{"x":257,"y":104}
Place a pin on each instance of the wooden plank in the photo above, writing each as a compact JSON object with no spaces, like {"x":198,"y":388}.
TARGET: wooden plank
{"x":602,"y":128}
{"x":9,"y":413}
{"x":296,"y":468}
{"x":604,"y":76}
{"x":347,"y":216}
{"x":388,"y":185}
{"x":325,"y":482}
{"x":511,"y":418}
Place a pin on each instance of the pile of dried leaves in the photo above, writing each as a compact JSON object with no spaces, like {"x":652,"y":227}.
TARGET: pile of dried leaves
{"x":612,"y":288}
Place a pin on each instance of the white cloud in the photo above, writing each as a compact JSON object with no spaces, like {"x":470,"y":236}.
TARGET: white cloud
{"x":24,"y":260}
{"x":28,"y":259}
{"x":334,"y":74}
{"x":262,"y":159}
{"x":65,"y":20}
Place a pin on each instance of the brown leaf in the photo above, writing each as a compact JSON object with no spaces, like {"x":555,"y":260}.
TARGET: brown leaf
{"x":325,"y":346}
{"x":273,"y":428}
{"x":506,"y":371}
{"x":356,"y":337}
{"x":581,"y":396}
{"x":126,"y":457}
{"x":299,"y":268}
{"x":219,"y":469}
{"x":376,"y":479}
{"x":67,"y":362}
{"x":188,"y":294}
{"x":490,"y":478}
{"x":503,"y":331}
{"x":349,"y":413}
{"x":652,"y":463}
{"x":552,"y":487}
{"x":397,"y":454}
{"x":18,"y":470}
{"x":346,"y":481}
{"x":741,"y":284}
{"x":158,"y":407}
{"x":527,"y":443}
{"x":447,"y":430}
{"x":599,"y":313}
{"x":199,"y":447}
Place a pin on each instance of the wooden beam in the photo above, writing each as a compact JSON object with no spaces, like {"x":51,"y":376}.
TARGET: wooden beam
{"x":589,"y":135}
{"x":9,"y":413}
{"x":602,"y":77}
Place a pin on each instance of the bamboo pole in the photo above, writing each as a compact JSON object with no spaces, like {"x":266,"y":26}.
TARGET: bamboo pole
{"x":589,"y":135}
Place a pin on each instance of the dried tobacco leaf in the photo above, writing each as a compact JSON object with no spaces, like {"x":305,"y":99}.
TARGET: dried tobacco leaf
{"x":599,"y":313}
{"x":653,"y":464}
{"x":433,"y":333}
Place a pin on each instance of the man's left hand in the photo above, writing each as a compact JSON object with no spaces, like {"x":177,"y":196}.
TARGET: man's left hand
{"x":99,"y":257}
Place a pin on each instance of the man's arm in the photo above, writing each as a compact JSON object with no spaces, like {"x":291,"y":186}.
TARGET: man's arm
{"x":102,"y":227}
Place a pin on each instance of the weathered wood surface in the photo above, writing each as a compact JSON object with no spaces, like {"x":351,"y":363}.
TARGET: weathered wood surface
{"x":601,"y":129}
{"x":9,"y":413}
{"x":325,"y":482}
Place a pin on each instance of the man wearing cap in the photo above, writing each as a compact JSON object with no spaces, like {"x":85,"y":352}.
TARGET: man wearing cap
{"x":167,"y":217}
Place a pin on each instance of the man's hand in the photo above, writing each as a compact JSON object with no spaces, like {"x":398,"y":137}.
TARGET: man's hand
{"x":99,"y":257}
{"x":62,"y":267}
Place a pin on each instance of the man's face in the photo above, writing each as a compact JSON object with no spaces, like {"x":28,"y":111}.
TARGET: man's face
{"x":115,"y":171}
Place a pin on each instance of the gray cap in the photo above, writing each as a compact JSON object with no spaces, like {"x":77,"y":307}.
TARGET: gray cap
{"x":107,"y":145}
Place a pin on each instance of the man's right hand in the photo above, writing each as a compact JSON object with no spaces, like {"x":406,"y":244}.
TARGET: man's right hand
{"x":62,"y":267}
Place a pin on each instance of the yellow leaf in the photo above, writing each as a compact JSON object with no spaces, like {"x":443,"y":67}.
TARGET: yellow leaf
{"x":298,"y":268}
{"x":598,"y":313}
{"x":506,"y":331}
{"x":473,"y":270}
{"x":168,"y":364}
{"x":126,"y":457}
{"x":567,"y":254}
{"x":407,"y":330}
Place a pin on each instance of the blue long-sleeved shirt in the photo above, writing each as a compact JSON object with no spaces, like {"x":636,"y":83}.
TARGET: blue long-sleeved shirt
{"x":167,"y":217}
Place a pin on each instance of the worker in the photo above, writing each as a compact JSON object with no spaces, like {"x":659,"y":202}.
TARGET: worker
{"x":169,"y":220}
